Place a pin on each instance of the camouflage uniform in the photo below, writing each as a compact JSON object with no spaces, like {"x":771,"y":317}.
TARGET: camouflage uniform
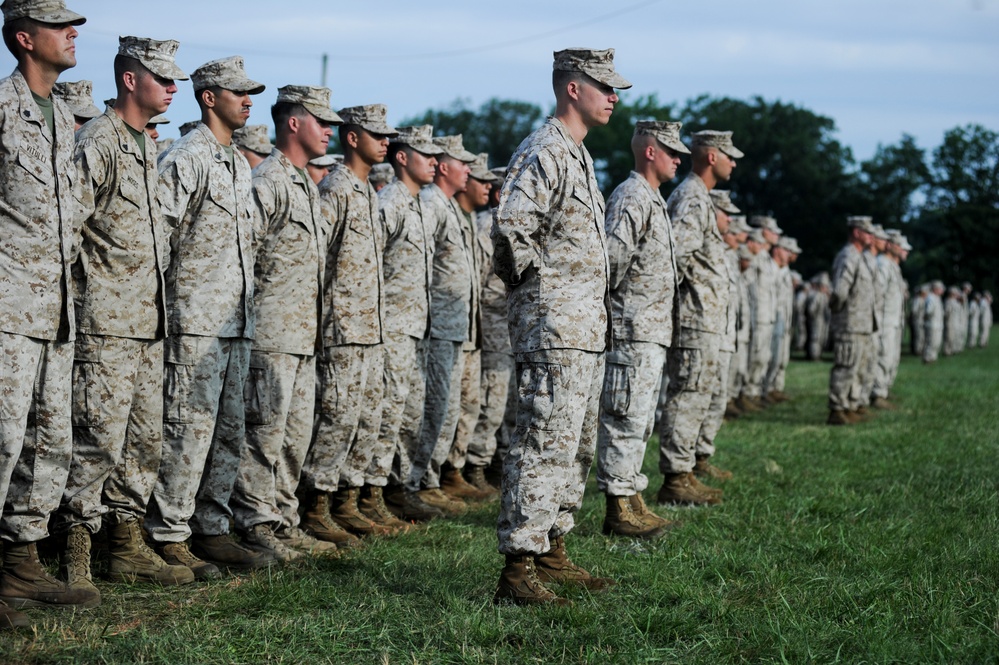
{"x":974,"y":322}
{"x":279,"y":395}
{"x":550,"y":250}
{"x":37,"y":326}
{"x":817,"y":311}
{"x":985,"y":328}
{"x":719,"y":400}
{"x":121,"y":320}
{"x":408,"y":267}
{"x":763,"y":295}
{"x":206,"y":199}
{"x":695,"y":364}
{"x":350,"y":382}
{"x":933,"y":323}
{"x":869,"y":370}
{"x":739,"y":364}
{"x":917,"y":339}
{"x":893,"y":318}
{"x":780,"y":345}
{"x":450,"y":324}
{"x":953,"y":328}
{"x":852,"y":302}
{"x":497,"y":354}
{"x":642,"y":288}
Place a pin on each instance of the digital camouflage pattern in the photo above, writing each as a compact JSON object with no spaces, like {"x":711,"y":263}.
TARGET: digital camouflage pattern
{"x":933,"y":326}
{"x":453,"y":267}
{"x":852,"y":304}
{"x":763,"y":305}
{"x":407,"y":260}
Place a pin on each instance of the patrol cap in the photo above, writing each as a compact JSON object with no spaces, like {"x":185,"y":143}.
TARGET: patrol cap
{"x":822,"y":279}
{"x":597,"y":64}
{"x":862,"y":222}
{"x":327,"y":161}
{"x":370,"y":117}
{"x":902,"y":242}
{"x":790,"y":244}
{"x":765,"y":222}
{"x":744,"y":253}
{"x":419,"y":138}
{"x":756,"y":235}
{"x":79,"y":96}
{"x":315,"y":100}
{"x":499,"y":172}
{"x":255,"y":138}
{"x":954,"y":291}
{"x":879,"y":232}
{"x":226,"y":73}
{"x":937,"y":284}
{"x":158,"y":120}
{"x":44,"y":11}
{"x":737,"y":224}
{"x":722,"y":198}
{"x":667,"y":133}
{"x":188,"y":127}
{"x":480,"y":169}
{"x":163,"y":144}
{"x":795,"y":275}
{"x":454,"y":148}
{"x":711,"y":138}
{"x":156,"y":56}
{"x":381,"y":174}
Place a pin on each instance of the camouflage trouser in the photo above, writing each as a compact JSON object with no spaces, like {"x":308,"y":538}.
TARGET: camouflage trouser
{"x":917,"y":339}
{"x":279,"y":399}
{"x":349,"y":388}
{"x":470,"y":404}
{"x":445,"y":362}
{"x":760,"y":343}
{"x":633,"y":372}
{"x":35,"y":433}
{"x":738,"y":368}
{"x":888,"y":359}
{"x":869,"y":370}
{"x":496,"y":371}
{"x":716,"y":410}
{"x":931,"y":346}
{"x":203,"y":431}
{"x":983,"y":337}
{"x":694,"y":379}
{"x":402,"y":408}
{"x":850,"y":356}
{"x":780,"y":349}
{"x":509,"y":416}
{"x":117,"y":430}
{"x":544,"y":473}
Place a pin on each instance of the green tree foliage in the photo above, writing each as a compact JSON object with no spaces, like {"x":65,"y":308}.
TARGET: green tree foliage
{"x":610,"y":145}
{"x":892,"y":180}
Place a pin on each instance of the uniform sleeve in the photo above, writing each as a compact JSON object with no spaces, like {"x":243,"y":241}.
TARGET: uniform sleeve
{"x":688,"y":231}
{"x":844,"y":274}
{"x":626,"y":225}
{"x":334,"y":208}
{"x":264,"y":206}
{"x":178,"y":184}
{"x":92,"y":177}
{"x":390,"y":217}
{"x":524,"y":204}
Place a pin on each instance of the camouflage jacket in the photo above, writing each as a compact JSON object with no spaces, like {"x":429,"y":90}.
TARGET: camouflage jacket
{"x":894,"y":308}
{"x":852,"y":296}
{"x":700,"y":258}
{"x":763,"y":288}
{"x":451,"y":280}
{"x":39,"y":214}
{"x":291,"y":249}
{"x":495,"y":327}
{"x":743,"y":309}
{"x":120,"y":289}
{"x":879,"y":289}
{"x":353,"y":297}
{"x":206,"y":201}
{"x":785,"y":296}
{"x":933,"y":312}
{"x":407,"y":262}
{"x":643,"y":277}
{"x":549,"y":245}
{"x":469,"y":233}
{"x":734,"y":300}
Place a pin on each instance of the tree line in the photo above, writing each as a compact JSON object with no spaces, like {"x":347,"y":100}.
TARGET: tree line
{"x":945,"y":201}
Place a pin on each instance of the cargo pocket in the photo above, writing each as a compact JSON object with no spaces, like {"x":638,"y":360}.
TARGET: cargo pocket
{"x":86,"y":387}
{"x":843,"y":352}
{"x":685,"y":370}
{"x":179,"y":368}
{"x":618,"y":375}
{"x":537,"y":392}
{"x":258,"y":392}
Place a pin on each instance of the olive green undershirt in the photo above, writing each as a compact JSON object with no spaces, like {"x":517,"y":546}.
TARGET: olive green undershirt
{"x":139,"y":135}
{"x":45,"y":106}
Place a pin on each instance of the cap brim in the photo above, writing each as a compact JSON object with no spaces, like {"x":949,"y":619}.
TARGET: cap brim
{"x":248,"y":86}
{"x":166,"y":70}
{"x":324,"y":113}
{"x":733,"y":152}
{"x":382,"y":129}
{"x":676,"y":146}
{"x":484,"y":176}
{"x":428,"y":149}
{"x":613,"y":79}
{"x":731,"y":210}
{"x":65,"y":16}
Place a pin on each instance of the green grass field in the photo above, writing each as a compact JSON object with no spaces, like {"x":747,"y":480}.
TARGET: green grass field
{"x":875,"y":543}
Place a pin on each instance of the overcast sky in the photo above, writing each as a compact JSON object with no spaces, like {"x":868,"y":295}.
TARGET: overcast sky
{"x":877,"y":67}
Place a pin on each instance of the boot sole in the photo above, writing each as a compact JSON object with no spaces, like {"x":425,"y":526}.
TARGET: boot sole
{"x":17,"y":603}
{"x":132,"y":578}
{"x":655,"y":534}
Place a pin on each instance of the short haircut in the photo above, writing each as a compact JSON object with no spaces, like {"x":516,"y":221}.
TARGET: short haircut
{"x":342,"y":132}
{"x":23,"y":24}
{"x":394,"y":149}
{"x":124,"y":63}
{"x":215,"y":90}
{"x":560,"y":79}
{"x":281,"y":112}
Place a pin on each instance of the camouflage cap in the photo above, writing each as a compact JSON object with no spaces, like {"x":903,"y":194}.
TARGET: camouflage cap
{"x":822,"y":279}
{"x":744,"y":253}
{"x":315,"y":100}
{"x":326,"y":161}
{"x":188,"y":127}
{"x":79,"y":96}
{"x":597,"y":64}
{"x":454,"y":148}
{"x":255,"y":138}
{"x":163,"y":144}
{"x":158,"y":120}
{"x":737,"y":224}
{"x":879,"y":232}
{"x":711,"y":138}
{"x":790,"y":244}
{"x":667,"y":133}
{"x":480,"y":169}
{"x":499,"y":172}
{"x":419,"y":138}
{"x":756,"y":235}
{"x":381,"y":174}
{"x":722,"y":198}
{"x":45,"y":11}
{"x":954,"y":291}
{"x":765,"y":222}
{"x":226,"y":73}
{"x":796,"y":276}
{"x":370,"y":117}
{"x":861,"y":222}
{"x":156,"y":56}
{"x":937,"y":284}
{"x":901,"y":242}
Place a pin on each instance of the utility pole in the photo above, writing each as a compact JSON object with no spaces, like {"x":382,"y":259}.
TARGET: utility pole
{"x":326,"y":60}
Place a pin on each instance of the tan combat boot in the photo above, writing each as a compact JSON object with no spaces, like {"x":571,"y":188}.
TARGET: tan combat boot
{"x":345,"y":512}
{"x":438,"y":499}
{"x":223,"y":550}
{"x":261,"y":538}
{"x":131,"y":560}
{"x":76,"y":561}
{"x":316,"y":521}
{"x":732,"y":411}
{"x":520,"y":585}
{"x":621,"y":520}
{"x":639,"y":508}
{"x":746,"y":404}
{"x":705,"y":469}
{"x":300,"y":541}
{"x":701,"y":487}
{"x":883,"y":404}
{"x":372,"y":505}
{"x":11,"y":618}
{"x":415,"y":508}
{"x":179,"y":554}
{"x":679,"y":489}
{"x":556,"y":566}
{"x":454,"y":485}
{"x":25,"y":582}
{"x":476,"y":477}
